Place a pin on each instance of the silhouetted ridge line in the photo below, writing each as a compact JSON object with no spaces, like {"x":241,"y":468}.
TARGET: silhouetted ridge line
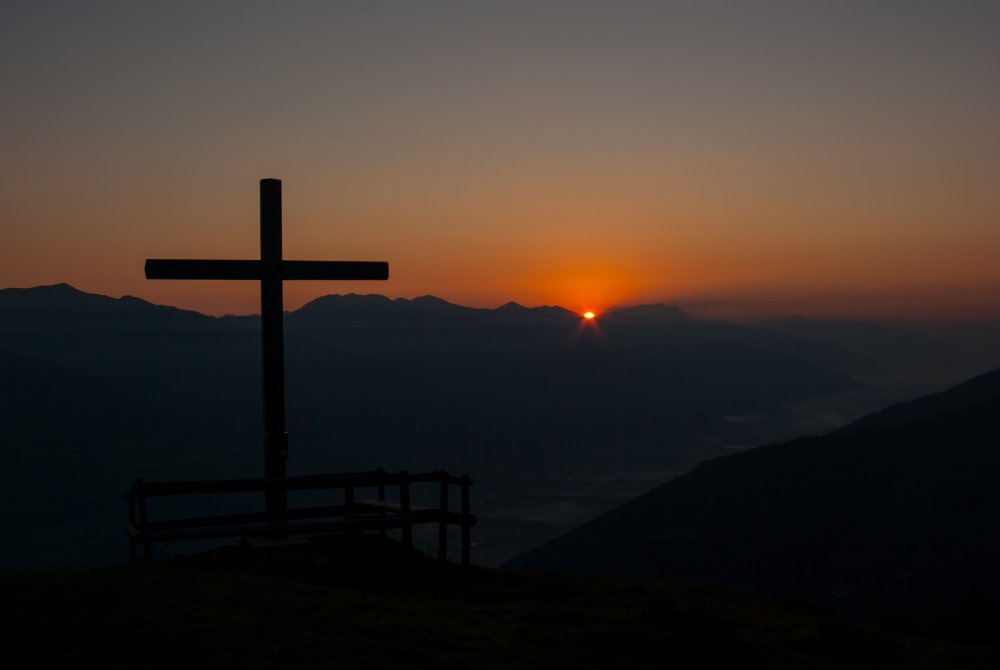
{"x":982,"y":390}
{"x":63,"y":300}
{"x":498,"y":391}
{"x":374,"y":306}
{"x":653,"y":311}
{"x":353,"y":306}
{"x":896,"y":516}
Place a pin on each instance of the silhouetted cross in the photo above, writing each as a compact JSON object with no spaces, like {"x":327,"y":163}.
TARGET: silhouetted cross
{"x":270,"y":270}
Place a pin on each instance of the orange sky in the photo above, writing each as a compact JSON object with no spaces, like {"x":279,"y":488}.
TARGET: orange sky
{"x":837,"y":161}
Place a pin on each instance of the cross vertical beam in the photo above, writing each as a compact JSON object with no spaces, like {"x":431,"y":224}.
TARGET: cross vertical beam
{"x":273,"y":351}
{"x":270,"y":270}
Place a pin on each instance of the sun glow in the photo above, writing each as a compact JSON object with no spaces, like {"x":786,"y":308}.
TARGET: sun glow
{"x":589,"y":315}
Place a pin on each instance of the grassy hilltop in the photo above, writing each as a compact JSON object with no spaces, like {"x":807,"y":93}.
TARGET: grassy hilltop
{"x":367,"y":612}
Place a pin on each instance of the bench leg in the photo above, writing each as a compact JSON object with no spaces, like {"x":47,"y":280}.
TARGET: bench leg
{"x":443,"y":523}
{"x":404,"y":505}
{"x":466,"y":529}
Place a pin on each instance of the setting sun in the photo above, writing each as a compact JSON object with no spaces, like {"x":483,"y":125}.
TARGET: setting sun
{"x":589,"y":315}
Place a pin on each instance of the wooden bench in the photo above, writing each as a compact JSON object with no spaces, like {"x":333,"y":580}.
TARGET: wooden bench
{"x":378,"y":513}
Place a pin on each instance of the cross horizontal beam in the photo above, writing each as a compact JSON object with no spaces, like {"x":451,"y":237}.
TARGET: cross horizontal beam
{"x":171,"y":268}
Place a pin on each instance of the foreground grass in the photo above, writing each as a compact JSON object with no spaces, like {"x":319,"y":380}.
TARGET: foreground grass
{"x":247,"y":614}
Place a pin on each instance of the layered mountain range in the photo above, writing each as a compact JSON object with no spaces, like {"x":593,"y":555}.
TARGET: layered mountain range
{"x":557,"y":419}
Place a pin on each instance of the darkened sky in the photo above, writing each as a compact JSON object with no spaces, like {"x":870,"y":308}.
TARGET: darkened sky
{"x":823,"y":157}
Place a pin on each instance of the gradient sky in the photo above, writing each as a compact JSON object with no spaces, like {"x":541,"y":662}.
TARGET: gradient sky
{"x":739,"y":158}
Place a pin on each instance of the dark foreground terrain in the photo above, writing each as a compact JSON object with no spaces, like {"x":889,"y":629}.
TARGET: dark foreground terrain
{"x":229,"y":609}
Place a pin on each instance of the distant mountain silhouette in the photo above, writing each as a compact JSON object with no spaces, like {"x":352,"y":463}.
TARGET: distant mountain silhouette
{"x":62,"y":301}
{"x":897,"y":513}
{"x":655,"y":311}
{"x":523,"y":398}
{"x":377,"y":307}
{"x":354,"y":306}
{"x":876,"y":351}
{"x":544,"y":410}
{"x":513,"y":309}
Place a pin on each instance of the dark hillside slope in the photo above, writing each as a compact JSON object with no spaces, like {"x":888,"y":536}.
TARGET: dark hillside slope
{"x":72,"y":443}
{"x":978,"y":391}
{"x":902,"y":519}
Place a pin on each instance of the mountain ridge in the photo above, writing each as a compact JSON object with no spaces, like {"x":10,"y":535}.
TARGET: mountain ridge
{"x":496,"y":393}
{"x":891,"y":517}
{"x":492,"y":393}
{"x":660,"y":311}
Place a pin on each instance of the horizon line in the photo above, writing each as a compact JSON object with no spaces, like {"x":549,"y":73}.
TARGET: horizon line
{"x":747,"y":316}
